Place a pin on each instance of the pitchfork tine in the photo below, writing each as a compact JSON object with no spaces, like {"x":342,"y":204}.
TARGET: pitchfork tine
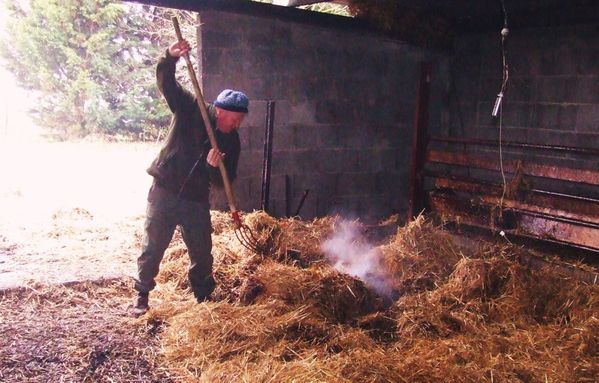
{"x":245,"y":236}
{"x":247,"y":239}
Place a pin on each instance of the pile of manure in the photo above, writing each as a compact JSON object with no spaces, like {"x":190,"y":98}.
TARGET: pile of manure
{"x":455,"y":313}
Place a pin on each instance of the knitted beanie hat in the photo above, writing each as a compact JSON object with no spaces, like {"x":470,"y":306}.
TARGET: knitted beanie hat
{"x":233,"y":101}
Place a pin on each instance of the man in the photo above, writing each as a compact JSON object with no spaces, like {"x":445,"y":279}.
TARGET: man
{"x":183,"y":172}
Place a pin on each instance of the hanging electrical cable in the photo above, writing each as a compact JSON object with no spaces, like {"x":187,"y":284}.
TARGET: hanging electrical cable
{"x":505,"y":74}
{"x":498,"y":107}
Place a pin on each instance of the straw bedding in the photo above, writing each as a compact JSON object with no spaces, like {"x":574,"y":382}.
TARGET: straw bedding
{"x":448,"y":313}
{"x":454,"y":313}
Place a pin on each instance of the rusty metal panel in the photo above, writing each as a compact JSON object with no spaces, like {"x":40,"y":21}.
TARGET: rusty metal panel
{"x":458,"y":210}
{"x":590,"y":177}
{"x":547,"y":209}
{"x":517,"y":222}
{"x":558,"y":230}
{"x":558,"y":205}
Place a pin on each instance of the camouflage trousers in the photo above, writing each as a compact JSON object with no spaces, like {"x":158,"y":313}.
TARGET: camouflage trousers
{"x":164,"y":212}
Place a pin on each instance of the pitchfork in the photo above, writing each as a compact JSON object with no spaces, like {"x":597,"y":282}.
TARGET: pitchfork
{"x":242,"y":232}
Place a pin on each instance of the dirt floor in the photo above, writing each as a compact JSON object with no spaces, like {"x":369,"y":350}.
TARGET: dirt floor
{"x":79,"y":332}
{"x":72,"y":213}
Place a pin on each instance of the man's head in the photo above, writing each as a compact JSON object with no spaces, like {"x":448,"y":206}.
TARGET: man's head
{"x":231,"y":108}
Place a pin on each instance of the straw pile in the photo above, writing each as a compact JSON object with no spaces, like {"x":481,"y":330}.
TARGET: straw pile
{"x":455,"y":314}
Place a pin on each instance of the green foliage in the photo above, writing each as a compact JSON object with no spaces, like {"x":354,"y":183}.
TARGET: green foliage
{"x":332,"y":8}
{"x":323,"y":7}
{"x":89,"y":64}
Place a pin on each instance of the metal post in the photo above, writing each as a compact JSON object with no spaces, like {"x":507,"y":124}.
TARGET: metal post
{"x":419,"y":142}
{"x":267,"y":163}
{"x":287,"y":196}
{"x":299,"y":207}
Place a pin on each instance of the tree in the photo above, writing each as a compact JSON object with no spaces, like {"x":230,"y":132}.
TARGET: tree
{"x":90,"y":64}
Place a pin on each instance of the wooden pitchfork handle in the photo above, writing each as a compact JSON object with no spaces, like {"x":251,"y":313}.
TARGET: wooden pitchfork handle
{"x":202,"y":105}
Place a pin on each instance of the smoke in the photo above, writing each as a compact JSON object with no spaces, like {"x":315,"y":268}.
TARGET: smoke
{"x":349,"y":252}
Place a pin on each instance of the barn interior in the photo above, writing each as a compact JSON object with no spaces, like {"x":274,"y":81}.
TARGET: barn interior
{"x":420,"y":183}
{"x":484,"y":114}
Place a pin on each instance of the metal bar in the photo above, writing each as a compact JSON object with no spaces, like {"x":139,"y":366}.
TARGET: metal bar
{"x":419,"y":141}
{"x":537,"y":170}
{"x":299,"y":207}
{"x":267,"y":162}
{"x":556,"y":194}
{"x":287,"y":196}
{"x":523,"y":145}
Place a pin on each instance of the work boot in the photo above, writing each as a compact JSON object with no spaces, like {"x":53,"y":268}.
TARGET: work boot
{"x":141,"y":304}
{"x":207,"y":298}
{"x":203,"y":290}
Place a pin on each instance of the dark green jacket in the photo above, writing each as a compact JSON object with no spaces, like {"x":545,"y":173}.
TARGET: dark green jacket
{"x":187,"y":142}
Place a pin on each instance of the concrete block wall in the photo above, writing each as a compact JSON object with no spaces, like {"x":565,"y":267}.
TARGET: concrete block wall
{"x":552,"y":96}
{"x":344,"y":106}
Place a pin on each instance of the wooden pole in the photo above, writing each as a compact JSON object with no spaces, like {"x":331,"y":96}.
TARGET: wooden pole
{"x":202,"y":105}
